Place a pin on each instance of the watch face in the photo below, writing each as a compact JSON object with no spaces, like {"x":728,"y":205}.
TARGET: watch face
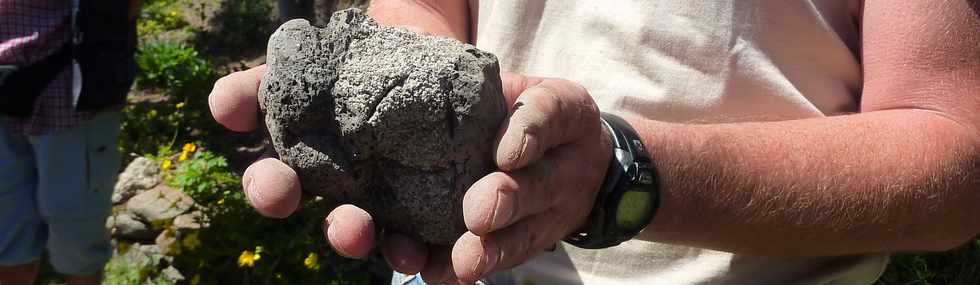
{"x":634,"y":209}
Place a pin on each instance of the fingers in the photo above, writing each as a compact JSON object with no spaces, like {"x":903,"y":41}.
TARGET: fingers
{"x":404,"y":254}
{"x":350,"y":231}
{"x":473,"y":258}
{"x":438,"y":268}
{"x":499,"y":199}
{"x":477,"y":256}
{"x":272,"y":188}
{"x":549,"y":114}
{"x":234,"y":101}
{"x":513,"y":216}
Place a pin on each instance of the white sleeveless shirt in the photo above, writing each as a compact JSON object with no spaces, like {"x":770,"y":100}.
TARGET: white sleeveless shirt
{"x":686,"y":61}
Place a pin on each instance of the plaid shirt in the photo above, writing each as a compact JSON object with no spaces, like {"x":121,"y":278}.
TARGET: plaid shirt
{"x":29,"y":31}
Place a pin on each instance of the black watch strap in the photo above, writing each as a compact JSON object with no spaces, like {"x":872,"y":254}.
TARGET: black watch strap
{"x":629,"y":196}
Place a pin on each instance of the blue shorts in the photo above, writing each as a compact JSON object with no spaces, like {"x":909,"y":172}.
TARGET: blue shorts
{"x":55,"y":192}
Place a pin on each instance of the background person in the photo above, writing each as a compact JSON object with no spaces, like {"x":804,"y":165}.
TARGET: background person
{"x":65,"y":75}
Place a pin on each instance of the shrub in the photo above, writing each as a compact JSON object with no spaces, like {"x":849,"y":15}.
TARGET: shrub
{"x":203,"y":175}
{"x":184,"y":79}
{"x":175,"y":67}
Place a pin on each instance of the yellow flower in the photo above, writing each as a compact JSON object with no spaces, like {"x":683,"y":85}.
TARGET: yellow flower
{"x":179,"y":105}
{"x":166,"y":164}
{"x":189,"y":147}
{"x":248,"y":258}
{"x":221,"y":202}
{"x":311,"y":261}
{"x":191,"y":241}
{"x":183,"y":156}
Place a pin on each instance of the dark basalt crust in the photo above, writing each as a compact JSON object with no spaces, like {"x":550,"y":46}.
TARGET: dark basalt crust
{"x":397,"y":123}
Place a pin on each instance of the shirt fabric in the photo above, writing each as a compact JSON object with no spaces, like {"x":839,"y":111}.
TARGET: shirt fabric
{"x":692,"y":62}
{"x":30,"y":30}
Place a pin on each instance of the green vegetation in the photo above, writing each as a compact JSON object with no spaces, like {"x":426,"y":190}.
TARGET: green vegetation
{"x":205,"y":176}
{"x":168,"y":120}
{"x":179,"y":79}
{"x":174,"y":67}
{"x":239,"y":246}
{"x":121,"y":271}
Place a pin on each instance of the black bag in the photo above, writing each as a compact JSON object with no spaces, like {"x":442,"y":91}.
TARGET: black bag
{"x":105,"y":44}
{"x":21,"y":85}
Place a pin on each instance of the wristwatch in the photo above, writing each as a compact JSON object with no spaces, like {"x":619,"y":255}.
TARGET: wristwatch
{"x":629,"y":196}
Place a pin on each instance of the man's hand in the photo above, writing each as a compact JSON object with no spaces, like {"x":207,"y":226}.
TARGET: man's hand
{"x":552,"y":153}
{"x":270,"y":185}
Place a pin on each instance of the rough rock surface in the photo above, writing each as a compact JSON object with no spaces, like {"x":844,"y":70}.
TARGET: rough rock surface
{"x":141,"y":174}
{"x":125,"y":226}
{"x":160,"y":203}
{"x":396,"y":122}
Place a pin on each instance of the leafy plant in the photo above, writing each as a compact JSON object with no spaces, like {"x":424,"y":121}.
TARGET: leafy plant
{"x":205,"y":176}
{"x":184,"y":79}
{"x":175,"y":67}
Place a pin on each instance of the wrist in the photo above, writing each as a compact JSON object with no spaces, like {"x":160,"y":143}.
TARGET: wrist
{"x":629,"y":195}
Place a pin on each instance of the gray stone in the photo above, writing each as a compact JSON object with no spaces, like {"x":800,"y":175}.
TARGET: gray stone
{"x":189,"y":221}
{"x":398,"y":123}
{"x":141,"y":174}
{"x":125,"y":226}
{"x":161,"y":203}
{"x":171,"y":274}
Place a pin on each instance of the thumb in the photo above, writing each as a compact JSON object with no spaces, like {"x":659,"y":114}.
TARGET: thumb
{"x":514,"y":84}
{"x":549,"y":114}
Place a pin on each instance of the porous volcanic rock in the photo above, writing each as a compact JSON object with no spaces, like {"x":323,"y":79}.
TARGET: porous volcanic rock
{"x":398,"y":123}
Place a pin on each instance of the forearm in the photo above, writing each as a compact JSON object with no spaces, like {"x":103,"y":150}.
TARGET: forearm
{"x":881,"y":181}
{"x":439,"y":17}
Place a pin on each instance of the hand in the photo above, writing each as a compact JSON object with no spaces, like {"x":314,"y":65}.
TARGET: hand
{"x":270,"y":185}
{"x":552,"y":151}
{"x":553,"y":154}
